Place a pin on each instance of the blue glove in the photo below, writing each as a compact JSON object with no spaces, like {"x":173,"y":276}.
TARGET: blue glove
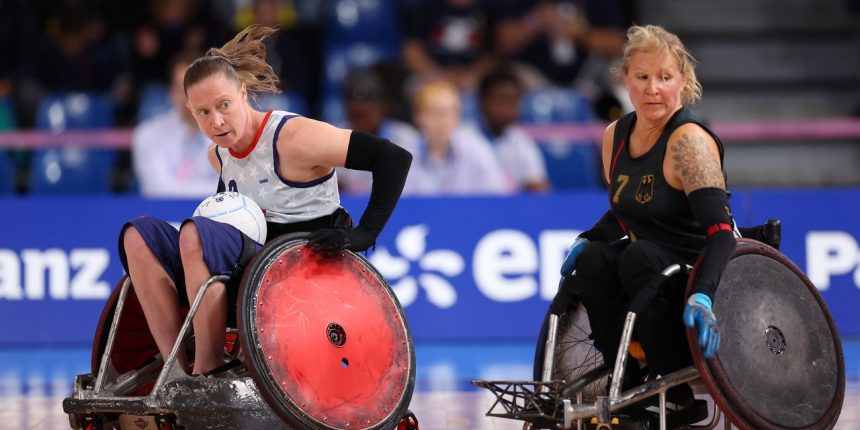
{"x":569,"y":263}
{"x":698,"y":313}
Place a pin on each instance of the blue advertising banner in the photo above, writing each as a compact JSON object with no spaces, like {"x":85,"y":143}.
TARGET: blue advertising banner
{"x":463,"y":268}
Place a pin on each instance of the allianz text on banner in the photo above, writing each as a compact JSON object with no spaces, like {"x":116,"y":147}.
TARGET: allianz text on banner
{"x":463,"y":268}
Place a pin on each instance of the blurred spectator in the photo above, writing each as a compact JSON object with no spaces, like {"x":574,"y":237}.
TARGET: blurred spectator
{"x":7,"y":47}
{"x":566,"y":42}
{"x":168,"y":150}
{"x":451,"y":38}
{"x":519,"y":155}
{"x":294,"y":51}
{"x":78,"y":57}
{"x":395,"y":79}
{"x":553,"y":38}
{"x":452,"y":158}
{"x":20,"y":33}
{"x":168,"y":27}
{"x":854,"y":8}
{"x":54,"y":46}
{"x":7,"y":165}
{"x":364,"y":98}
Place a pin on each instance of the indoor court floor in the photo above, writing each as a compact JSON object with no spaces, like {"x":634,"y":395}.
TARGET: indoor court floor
{"x":33,"y":383}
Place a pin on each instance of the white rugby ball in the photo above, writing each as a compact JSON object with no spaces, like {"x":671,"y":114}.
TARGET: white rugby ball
{"x":237,"y":210}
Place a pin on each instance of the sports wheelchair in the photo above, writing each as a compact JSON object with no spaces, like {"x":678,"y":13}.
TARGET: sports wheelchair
{"x":780,"y":365}
{"x":320,"y":343}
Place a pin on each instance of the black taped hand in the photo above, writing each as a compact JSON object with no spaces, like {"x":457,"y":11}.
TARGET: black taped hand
{"x":332,"y":240}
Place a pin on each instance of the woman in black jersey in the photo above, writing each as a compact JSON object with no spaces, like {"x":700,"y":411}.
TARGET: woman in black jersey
{"x":667,"y":193}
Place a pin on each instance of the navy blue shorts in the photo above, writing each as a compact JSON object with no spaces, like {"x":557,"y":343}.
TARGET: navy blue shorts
{"x":224,"y":247}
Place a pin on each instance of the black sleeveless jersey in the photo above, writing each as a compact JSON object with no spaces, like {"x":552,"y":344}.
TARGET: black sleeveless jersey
{"x":644,"y":203}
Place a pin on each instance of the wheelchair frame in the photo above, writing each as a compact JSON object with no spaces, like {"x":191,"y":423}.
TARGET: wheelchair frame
{"x":554,"y":403}
{"x":94,"y":399}
{"x":108,"y":398}
{"x":521,"y":397}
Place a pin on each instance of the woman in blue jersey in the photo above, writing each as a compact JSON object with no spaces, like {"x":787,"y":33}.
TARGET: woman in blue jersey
{"x":667,"y":193}
{"x":284,"y":162}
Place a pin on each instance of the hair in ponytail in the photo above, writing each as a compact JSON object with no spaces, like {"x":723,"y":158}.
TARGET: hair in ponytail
{"x":242,"y":59}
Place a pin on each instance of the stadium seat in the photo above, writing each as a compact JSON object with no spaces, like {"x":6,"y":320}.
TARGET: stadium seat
{"x":571,"y":162}
{"x":61,"y":111}
{"x":358,"y":34}
{"x":67,"y":169}
{"x":71,"y":170}
{"x":7,"y":163}
{"x":7,"y":175}
{"x":287,"y":101}
{"x":360,"y":21}
{"x":572,"y":165}
{"x":554,"y":106}
{"x":154,"y":99}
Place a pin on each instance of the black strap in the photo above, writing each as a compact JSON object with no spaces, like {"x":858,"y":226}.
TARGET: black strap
{"x":340,"y":218}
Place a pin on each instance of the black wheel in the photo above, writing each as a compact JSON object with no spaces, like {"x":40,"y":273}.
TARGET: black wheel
{"x":327,"y":342}
{"x":780,"y":363}
{"x":575,"y":353}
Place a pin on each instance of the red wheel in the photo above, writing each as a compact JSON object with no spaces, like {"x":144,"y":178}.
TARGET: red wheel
{"x":329,"y":347}
{"x":133,"y":344}
{"x":780,"y":363}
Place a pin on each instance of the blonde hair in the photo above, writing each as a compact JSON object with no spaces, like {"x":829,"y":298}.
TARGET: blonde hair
{"x":242,"y":60}
{"x":656,"y":38}
{"x":430,"y":89}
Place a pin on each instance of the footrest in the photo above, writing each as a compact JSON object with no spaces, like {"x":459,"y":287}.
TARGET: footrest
{"x":537,"y":402}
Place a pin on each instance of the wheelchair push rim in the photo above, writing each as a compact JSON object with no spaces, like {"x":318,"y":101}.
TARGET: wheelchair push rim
{"x":327,"y":342}
{"x":780,"y":363}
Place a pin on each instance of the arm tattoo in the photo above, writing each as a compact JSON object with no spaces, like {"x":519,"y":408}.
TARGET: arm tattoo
{"x":698,"y":166}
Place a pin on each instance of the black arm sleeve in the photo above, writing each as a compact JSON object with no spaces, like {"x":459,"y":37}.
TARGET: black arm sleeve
{"x":710,"y":206}
{"x":389,"y":165}
{"x":607,"y":229}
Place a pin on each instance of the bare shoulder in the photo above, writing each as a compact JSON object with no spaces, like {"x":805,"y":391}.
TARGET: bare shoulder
{"x":302,"y":128}
{"x":313,"y":142}
{"x":695,"y":158}
{"x":294,"y":126}
{"x":606,"y":149}
{"x":609,"y":131}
